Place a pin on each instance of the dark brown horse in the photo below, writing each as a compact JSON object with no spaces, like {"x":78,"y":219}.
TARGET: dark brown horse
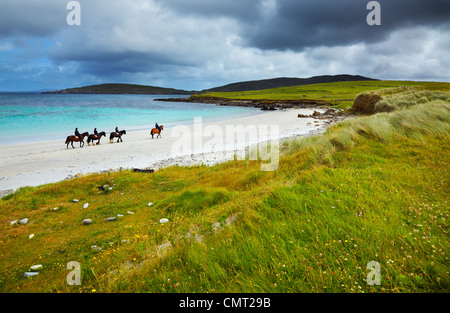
{"x":71,"y":139}
{"x":156,"y":131}
{"x":117,"y":134}
{"x":93,"y":137}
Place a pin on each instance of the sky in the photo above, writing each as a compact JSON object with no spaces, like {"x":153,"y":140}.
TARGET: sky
{"x":200,"y":44}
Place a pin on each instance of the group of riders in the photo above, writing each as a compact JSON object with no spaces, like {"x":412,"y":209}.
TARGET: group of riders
{"x":77,"y":133}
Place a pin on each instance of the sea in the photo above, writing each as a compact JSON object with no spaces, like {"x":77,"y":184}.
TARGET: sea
{"x":30,"y":117}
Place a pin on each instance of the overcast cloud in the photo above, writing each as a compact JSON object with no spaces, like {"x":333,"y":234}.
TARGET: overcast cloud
{"x":198,"y":44}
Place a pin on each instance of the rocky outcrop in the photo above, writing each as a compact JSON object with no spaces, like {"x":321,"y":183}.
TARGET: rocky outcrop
{"x":262,"y":104}
{"x":331,"y":115}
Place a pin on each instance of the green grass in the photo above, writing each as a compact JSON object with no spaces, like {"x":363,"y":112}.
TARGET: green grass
{"x":340,"y":94}
{"x":370,"y":188}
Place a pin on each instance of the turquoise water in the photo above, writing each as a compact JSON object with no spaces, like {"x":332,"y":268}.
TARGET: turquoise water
{"x":35,"y":117}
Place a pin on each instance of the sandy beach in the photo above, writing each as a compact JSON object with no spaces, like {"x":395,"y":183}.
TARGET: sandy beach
{"x":38,"y":163}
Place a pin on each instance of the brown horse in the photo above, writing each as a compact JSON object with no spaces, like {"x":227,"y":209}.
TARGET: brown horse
{"x":73,"y":138}
{"x":119,"y":135}
{"x":156,"y":131}
{"x":93,"y":137}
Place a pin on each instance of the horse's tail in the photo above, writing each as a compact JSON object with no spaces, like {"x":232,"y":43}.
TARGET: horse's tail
{"x":67,"y":140}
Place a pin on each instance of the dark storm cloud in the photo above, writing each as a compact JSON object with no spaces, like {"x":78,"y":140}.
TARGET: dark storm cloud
{"x":31,"y":18}
{"x":300,"y":24}
{"x":108,"y":64}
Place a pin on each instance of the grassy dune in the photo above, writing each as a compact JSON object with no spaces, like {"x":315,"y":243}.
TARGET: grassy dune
{"x":370,"y":188}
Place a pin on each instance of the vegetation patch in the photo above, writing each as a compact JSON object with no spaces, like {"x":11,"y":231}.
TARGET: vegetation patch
{"x":391,"y":99}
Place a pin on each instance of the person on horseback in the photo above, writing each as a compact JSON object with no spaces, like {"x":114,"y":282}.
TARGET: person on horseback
{"x":77,"y":133}
{"x":117,"y":130}
{"x":96,"y":133}
{"x":157,"y":127}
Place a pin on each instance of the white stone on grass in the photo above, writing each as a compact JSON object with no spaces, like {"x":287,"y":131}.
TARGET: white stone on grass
{"x":87,"y":221}
{"x":36,"y":267}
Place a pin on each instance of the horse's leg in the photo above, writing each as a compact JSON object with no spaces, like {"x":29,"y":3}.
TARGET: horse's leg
{"x":72,"y":144}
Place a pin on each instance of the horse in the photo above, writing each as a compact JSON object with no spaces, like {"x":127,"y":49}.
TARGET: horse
{"x":156,"y":131}
{"x":117,"y":134}
{"x":93,"y":137}
{"x":72,"y":138}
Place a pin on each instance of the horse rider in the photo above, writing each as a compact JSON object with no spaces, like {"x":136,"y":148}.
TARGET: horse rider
{"x":96,"y":132}
{"x":117,"y":130}
{"x":77,"y":133}
{"x":157,"y":127}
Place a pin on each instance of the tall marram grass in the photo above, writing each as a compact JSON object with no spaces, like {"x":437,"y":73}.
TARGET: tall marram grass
{"x":393,"y":99}
{"x":430,"y":115}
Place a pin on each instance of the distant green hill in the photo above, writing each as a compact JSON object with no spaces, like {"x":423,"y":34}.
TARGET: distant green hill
{"x":286,"y":82}
{"x":122,"y":89}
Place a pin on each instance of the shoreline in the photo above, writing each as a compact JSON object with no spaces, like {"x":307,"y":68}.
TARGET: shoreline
{"x":46,"y":162}
{"x":263,"y":104}
{"x":10,"y":141}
